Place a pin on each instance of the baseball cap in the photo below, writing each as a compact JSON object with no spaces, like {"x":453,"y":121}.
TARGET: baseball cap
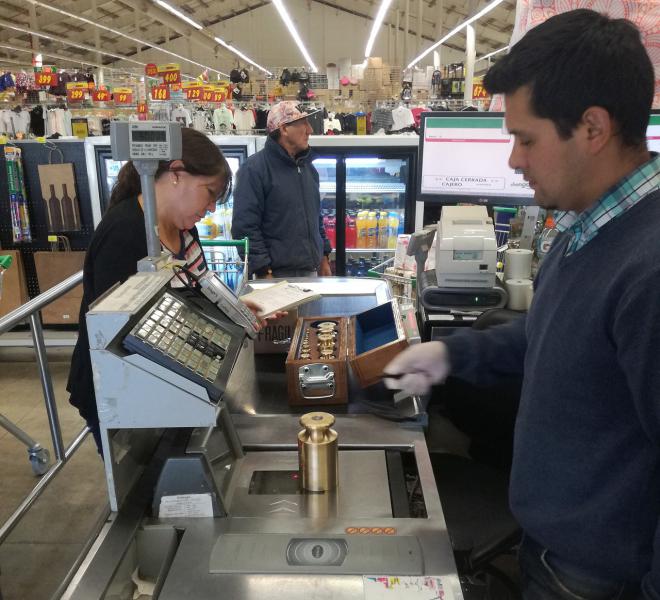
{"x":284,"y":113}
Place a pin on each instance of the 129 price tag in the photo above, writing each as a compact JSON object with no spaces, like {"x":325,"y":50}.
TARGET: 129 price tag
{"x":45,"y":79}
{"x":160,"y":92}
{"x":194,"y":93}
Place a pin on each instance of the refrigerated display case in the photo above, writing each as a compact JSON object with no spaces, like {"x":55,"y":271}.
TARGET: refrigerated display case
{"x":103,"y":172}
{"x":367,"y":196}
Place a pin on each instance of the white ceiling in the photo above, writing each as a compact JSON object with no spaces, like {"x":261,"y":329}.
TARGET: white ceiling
{"x":146,"y":22}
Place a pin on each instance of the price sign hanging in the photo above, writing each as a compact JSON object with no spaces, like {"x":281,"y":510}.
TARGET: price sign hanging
{"x":160,"y":92}
{"x":171,"y":73}
{"x":42,"y":79}
{"x":122,"y":96}
{"x":75,"y":95}
{"x":194,"y":93}
{"x":142,"y":108}
{"x":151,"y":70}
{"x":100,"y":96}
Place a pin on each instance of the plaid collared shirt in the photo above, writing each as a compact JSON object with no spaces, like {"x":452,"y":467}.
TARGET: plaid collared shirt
{"x":584,"y":227}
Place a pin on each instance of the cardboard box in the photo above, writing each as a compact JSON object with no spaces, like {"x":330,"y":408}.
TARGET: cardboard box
{"x":53,"y":268}
{"x":317,"y":380}
{"x":276,"y":337}
{"x":14,"y":284}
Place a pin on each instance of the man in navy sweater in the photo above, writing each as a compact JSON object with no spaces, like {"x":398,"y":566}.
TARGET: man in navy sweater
{"x":585,"y":482}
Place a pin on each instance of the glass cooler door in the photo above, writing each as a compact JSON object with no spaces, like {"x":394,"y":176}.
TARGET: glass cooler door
{"x":376,"y":190}
{"x":327,"y":169}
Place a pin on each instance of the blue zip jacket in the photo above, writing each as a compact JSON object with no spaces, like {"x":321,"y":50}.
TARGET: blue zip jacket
{"x":277,"y":205}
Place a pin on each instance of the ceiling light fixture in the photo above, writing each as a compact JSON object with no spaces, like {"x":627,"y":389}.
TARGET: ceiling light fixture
{"x":378,"y":21}
{"x":67,"y":42}
{"x":177,"y":13}
{"x":124,"y":35}
{"x":493,"y":53}
{"x":294,"y":33}
{"x":238,"y":53}
{"x":486,"y":9}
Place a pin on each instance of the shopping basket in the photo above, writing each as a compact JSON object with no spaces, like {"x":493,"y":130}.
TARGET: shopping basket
{"x":224,"y":259}
{"x":402,"y":283}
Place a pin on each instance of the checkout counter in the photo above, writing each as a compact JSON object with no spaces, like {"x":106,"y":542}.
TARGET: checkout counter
{"x":201,"y":452}
{"x":203,"y":475}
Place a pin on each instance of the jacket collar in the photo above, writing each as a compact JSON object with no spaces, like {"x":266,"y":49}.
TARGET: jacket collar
{"x":272,"y":147}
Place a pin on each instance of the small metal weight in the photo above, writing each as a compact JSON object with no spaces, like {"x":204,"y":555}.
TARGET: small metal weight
{"x":318,"y":452}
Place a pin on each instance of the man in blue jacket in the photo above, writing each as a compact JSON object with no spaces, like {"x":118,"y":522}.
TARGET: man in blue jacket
{"x":585,"y":481}
{"x":277,"y":203}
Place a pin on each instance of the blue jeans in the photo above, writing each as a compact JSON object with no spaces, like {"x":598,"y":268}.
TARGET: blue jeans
{"x":547,"y":577}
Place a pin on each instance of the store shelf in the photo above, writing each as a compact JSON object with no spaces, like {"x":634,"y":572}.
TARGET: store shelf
{"x":328,"y":187}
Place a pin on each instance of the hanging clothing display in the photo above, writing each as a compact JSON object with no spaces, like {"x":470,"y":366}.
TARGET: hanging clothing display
{"x":223,"y":120}
{"x":244,"y":120}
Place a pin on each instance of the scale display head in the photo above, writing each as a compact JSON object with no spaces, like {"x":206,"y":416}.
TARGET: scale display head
{"x":145,"y":140}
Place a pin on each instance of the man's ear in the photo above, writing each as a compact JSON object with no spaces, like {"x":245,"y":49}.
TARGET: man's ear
{"x":598,"y":128}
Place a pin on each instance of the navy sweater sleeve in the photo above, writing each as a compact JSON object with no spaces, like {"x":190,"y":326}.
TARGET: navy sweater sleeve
{"x":638,"y":352}
{"x":485,"y":357}
{"x":247,"y":218}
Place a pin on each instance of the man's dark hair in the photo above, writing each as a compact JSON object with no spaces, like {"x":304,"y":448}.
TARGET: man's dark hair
{"x":275,"y":134}
{"x":579,"y":59}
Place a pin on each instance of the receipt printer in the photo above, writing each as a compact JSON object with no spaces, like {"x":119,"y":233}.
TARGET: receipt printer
{"x":466,"y":250}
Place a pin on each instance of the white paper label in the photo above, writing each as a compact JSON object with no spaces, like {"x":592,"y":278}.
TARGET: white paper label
{"x":400,"y":587}
{"x":186,"y":506}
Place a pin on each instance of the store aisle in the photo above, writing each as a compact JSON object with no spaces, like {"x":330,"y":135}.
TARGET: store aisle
{"x":41,"y":549}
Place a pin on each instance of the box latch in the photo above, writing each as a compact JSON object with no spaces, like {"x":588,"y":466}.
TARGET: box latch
{"x":316,"y":381}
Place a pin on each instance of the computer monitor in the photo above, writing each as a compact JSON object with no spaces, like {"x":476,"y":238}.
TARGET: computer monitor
{"x":464,"y":157}
{"x":653,"y":132}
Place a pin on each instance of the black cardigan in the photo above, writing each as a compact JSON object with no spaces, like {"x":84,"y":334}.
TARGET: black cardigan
{"x":118,"y":243}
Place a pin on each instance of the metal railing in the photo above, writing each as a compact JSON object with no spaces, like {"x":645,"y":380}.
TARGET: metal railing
{"x":31,"y":311}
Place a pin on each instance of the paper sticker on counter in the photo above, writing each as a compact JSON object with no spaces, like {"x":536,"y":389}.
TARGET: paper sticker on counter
{"x":186,"y":506}
{"x":401,"y":587}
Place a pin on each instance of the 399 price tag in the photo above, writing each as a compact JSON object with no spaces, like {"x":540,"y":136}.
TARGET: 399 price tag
{"x":45,"y":79}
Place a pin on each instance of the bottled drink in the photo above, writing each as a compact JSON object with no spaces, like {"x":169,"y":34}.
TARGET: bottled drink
{"x":206,"y":228}
{"x":330,"y":226}
{"x":362,"y":226}
{"x":392,"y":228}
{"x":383,"y":229}
{"x":361,"y":270}
{"x":54,"y":209}
{"x":401,"y":226}
{"x":547,"y":236}
{"x":372,"y":231}
{"x":351,"y":231}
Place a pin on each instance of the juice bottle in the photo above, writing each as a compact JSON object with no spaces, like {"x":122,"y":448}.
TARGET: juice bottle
{"x":330,"y":226}
{"x":362,"y":226}
{"x":401,"y":226}
{"x":372,"y":231}
{"x":207,"y":228}
{"x":383,"y":232}
{"x":351,"y":231}
{"x":392,"y":228}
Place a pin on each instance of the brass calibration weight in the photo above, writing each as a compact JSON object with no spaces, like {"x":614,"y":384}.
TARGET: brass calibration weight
{"x":317,"y":452}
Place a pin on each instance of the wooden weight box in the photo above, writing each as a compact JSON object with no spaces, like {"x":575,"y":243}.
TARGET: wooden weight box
{"x":316,"y":366}
{"x":368,"y":341}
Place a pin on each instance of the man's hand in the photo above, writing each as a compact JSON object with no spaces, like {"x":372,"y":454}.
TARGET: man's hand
{"x":324,"y":269}
{"x":417,"y":368}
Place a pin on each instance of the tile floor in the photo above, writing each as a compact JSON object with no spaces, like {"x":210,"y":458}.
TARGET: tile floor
{"x":43,"y":547}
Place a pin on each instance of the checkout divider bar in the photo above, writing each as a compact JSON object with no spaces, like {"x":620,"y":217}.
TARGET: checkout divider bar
{"x":31,"y":310}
